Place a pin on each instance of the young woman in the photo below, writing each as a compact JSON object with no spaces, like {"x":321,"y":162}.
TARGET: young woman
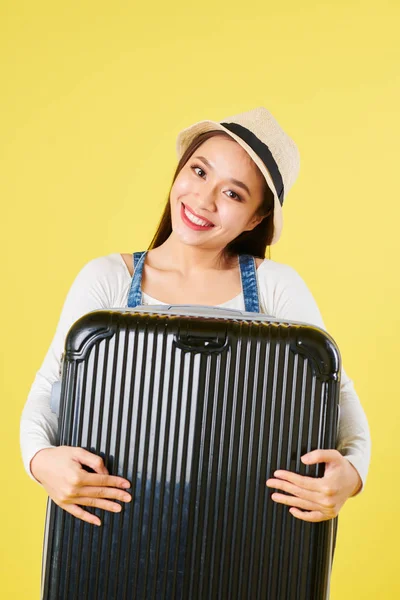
{"x":225,"y":202}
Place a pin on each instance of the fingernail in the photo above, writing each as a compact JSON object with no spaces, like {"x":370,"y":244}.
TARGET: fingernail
{"x":126,"y":484}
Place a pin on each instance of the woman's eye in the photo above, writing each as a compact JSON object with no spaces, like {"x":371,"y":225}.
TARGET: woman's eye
{"x":237,"y":197}
{"x":197,"y":167}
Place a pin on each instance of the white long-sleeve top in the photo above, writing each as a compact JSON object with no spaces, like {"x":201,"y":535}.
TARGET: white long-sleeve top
{"x":104,"y":283}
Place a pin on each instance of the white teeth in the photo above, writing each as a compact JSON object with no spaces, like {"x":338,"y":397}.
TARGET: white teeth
{"x":196,"y":220}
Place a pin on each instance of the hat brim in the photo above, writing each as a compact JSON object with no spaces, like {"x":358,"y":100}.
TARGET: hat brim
{"x":186,"y":136}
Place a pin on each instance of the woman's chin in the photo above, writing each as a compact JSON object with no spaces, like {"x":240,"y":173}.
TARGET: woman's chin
{"x":187,"y":237}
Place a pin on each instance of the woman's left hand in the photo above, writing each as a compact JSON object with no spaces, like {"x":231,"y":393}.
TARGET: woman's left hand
{"x":322,"y":496}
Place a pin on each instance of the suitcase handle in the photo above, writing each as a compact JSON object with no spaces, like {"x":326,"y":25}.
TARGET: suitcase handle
{"x":205,"y":309}
{"x":191,"y":343}
{"x":201,"y":310}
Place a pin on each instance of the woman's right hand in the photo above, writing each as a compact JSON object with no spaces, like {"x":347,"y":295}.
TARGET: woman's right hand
{"x":69,"y":485}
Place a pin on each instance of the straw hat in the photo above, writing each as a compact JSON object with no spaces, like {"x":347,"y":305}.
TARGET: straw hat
{"x":273,"y":151}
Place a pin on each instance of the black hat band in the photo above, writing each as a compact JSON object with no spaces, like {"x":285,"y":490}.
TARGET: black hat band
{"x":263,"y":152}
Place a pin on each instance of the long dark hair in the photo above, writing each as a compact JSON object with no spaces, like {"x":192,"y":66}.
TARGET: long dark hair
{"x":252,"y":242}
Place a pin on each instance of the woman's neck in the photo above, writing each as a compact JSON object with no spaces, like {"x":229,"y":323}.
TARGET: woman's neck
{"x":188,"y":259}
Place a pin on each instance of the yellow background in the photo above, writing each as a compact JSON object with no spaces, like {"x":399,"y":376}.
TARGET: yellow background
{"x":93,"y":95}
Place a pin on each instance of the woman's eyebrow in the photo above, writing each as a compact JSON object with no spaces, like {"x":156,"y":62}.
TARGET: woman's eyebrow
{"x":235,"y":181}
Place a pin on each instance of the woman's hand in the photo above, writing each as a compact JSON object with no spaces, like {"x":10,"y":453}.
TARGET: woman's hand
{"x":60,"y":472}
{"x":323,"y":496}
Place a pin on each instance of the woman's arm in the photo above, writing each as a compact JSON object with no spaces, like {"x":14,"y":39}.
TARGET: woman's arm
{"x":288,"y":297}
{"x":61,"y":470}
{"x":38,"y":426}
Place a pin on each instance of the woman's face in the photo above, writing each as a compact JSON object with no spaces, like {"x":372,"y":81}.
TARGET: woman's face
{"x":216,"y":194}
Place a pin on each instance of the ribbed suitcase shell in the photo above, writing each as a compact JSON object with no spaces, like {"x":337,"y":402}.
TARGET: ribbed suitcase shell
{"x":197,"y":412}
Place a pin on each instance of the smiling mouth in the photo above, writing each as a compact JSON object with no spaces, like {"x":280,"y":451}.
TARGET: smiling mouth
{"x":194,"y":220}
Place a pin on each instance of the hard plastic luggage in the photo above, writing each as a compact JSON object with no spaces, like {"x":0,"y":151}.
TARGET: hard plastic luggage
{"x":197,"y":407}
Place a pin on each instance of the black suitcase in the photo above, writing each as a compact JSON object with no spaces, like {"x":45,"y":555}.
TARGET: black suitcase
{"x":197,"y":407}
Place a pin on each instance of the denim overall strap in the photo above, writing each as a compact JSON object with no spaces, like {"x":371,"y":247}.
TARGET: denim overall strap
{"x":135,"y":292}
{"x":248,"y":274}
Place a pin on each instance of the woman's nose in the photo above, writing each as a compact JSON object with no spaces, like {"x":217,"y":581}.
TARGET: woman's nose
{"x":207,"y":201}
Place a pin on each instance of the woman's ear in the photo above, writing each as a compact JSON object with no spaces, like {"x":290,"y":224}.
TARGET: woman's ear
{"x":256,"y":220}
